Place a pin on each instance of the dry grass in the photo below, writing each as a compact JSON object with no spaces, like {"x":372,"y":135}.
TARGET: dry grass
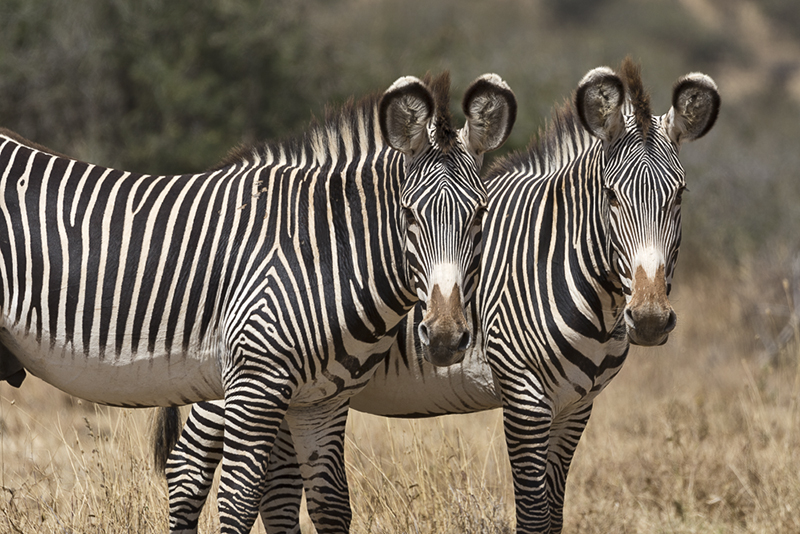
{"x":691,"y":437}
{"x":70,"y":466}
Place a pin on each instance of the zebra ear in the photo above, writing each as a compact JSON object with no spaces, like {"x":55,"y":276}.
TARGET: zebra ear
{"x":599,"y":101}
{"x":404,"y":112}
{"x":695,"y":106}
{"x":491,"y":109}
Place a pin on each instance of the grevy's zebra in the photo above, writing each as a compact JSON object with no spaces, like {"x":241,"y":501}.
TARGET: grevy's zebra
{"x":581,"y":242}
{"x":277,"y":280}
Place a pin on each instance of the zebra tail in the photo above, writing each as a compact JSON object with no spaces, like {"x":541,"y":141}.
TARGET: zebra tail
{"x":166,"y":432}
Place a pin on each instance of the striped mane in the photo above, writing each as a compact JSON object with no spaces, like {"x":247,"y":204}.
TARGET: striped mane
{"x":562,"y":140}
{"x":322,"y":142}
{"x":14,"y":136}
{"x":445,"y":132}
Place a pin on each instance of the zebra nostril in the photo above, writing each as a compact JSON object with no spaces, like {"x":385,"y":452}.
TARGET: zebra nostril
{"x":423,"y":334}
{"x":465,"y":341}
{"x":672,"y":320}
{"x":629,"y":319}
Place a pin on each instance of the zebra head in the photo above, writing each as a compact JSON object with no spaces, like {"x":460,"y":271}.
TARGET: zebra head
{"x":443,"y":200}
{"x":643,"y":181}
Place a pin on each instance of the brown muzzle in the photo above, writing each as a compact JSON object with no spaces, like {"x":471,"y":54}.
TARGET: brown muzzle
{"x":649,"y":315}
{"x":444,"y":333}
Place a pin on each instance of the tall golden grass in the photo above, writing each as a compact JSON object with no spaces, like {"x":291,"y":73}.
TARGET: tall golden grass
{"x":694,"y":436}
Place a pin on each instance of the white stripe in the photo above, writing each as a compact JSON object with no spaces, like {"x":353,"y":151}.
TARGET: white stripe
{"x":650,"y":259}
{"x":446,"y":276}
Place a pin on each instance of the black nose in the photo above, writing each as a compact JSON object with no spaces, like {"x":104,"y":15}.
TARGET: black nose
{"x":648,"y":325}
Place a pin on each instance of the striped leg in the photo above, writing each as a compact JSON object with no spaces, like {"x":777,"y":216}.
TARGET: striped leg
{"x":191,"y":465}
{"x":564,"y":437}
{"x":254,"y":411}
{"x":194,"y":460}
{"x":319,"y":441}
{"x":526,"y":421}
{"x":280,"y":507}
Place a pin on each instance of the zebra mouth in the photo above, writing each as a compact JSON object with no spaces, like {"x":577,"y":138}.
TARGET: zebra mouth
{"x":633,"y":341}
{"x":442,"y":356}
{"x":645,"y":335}
{"x":443,"y":350}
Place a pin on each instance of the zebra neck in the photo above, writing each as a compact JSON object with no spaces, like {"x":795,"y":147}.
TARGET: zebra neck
{"x":547,"y":230}
{"x":339,"y":225}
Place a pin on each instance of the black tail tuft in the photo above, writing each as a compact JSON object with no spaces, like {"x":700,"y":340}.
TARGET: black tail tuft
{"x":166,"y":432}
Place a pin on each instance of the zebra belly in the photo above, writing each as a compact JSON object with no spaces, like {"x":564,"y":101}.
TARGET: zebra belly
{"x":421,"y":389}
{"x":128,"y":379}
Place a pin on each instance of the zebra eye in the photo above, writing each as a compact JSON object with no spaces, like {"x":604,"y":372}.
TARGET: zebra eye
{"x":408,"y":215}
{"x":613,"y":201}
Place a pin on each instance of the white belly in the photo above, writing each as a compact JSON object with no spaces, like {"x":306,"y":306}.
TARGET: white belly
{"x":423,"y":389}
{"x":140,"y":379}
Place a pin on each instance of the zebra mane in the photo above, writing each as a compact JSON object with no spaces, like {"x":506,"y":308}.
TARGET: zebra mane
{"x":562,"y":140}
{"x":36,"y":146}
{"x":638,"y":97}
{"x":445,"y":134}
{"x":321,"y":141}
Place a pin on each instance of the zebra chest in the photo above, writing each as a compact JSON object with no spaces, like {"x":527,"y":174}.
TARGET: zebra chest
{"x":584,"y":378}
{"x":345,"y":374}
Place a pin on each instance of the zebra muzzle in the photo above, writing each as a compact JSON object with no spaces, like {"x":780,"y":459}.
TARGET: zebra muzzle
{"x":444,"y":333}
{"x":649,"y":315}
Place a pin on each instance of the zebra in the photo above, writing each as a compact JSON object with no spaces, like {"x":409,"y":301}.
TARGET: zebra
{"x":581,"y":243}
{"x":276,"y":280}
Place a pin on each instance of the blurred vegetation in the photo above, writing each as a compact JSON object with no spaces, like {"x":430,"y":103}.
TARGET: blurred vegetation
{"x":169,"y":86}
{"x":152,"y":85}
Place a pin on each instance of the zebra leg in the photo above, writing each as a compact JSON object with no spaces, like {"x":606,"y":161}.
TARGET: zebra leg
{"x":526,"y":423}
{"x":280,"y":506}
{"x":193,"y":461}
{"x":318,"y":435}
{"x":565,"y":434}
{"x":254,"y":410}
{"x":191,"y":465}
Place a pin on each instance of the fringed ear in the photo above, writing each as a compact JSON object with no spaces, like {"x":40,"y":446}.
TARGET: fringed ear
{"x":599,"y":100}
{"x":491,"y":110}
{"x":695,"y":106}
{"x":405,"y":110}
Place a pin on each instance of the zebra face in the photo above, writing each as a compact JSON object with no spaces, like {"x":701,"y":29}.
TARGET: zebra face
{"x":443,"y":244}
{"x":643,"y":186}
{"x":443,"y":200}
{"x":643,"y":183}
